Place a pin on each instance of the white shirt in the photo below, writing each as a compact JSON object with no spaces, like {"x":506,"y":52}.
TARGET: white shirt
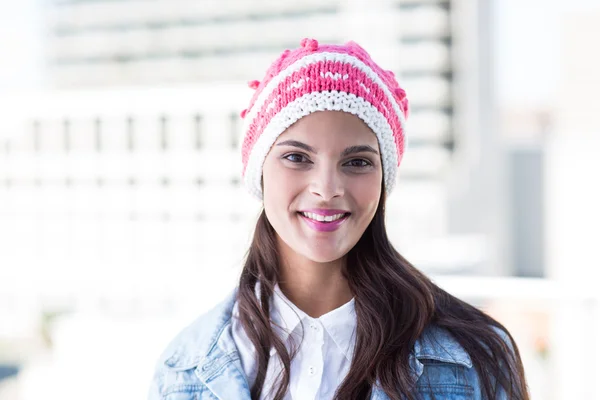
{"x":324,"y":356}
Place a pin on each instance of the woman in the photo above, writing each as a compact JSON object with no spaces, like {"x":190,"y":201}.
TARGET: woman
{"x":326,"y":308}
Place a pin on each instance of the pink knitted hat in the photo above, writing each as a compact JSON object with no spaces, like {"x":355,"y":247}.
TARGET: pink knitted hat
{"x":318,"y":77}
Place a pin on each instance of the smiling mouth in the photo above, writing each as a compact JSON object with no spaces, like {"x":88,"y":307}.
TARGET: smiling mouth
{"x":324,"y":219}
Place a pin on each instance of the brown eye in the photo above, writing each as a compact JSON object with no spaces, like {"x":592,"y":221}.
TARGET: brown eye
{"x":295,"y":158}
{"x":358,"y":163}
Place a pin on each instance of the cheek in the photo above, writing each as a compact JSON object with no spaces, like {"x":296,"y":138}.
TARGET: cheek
{"x":280,"y":186}
{"x":367,"y":192}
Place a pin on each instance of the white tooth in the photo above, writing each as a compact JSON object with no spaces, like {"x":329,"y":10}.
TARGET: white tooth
{"x":316,"y":217}
{"x":322,"y":218}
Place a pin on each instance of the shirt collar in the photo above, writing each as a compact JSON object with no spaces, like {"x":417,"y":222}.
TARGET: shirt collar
{"x":340,"y":323}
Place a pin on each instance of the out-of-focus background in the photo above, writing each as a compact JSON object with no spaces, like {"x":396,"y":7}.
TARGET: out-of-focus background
{"x":122,"y":216}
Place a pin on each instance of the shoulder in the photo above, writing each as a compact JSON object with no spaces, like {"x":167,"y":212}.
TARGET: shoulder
{"x":189,"y":347}
{"x":445,"y":367}
{"x":437,"y":343}
{"x":440,"y":344}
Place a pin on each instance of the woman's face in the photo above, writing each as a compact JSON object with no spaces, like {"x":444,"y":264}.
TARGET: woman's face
{"x":325,"y":165}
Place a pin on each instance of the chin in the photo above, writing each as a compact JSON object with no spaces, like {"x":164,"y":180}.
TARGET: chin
{"x":324,"y":256}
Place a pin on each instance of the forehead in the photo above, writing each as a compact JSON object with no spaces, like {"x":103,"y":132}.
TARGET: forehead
{"x":330,"y":128}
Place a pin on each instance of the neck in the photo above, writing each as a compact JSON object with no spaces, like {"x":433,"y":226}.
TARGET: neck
{"x":314,"y":287}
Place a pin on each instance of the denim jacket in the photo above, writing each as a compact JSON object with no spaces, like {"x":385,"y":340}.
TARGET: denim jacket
{"x":203,"y":363}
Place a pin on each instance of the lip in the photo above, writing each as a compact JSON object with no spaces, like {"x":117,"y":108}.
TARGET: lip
{"x":325,"y":212}
{"x":324,"y":226}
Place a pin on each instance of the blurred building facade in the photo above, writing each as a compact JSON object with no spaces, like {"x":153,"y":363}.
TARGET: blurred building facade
{"x":93,"y":43}
{"x":438,"y":49}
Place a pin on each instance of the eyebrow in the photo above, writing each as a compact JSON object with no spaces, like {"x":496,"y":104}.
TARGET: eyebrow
{"x":359,"y":149}
{"x":346,"y":152}
{"x":298,"y":144}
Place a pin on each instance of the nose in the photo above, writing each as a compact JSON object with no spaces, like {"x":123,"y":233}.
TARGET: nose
{"x":327,"y":183}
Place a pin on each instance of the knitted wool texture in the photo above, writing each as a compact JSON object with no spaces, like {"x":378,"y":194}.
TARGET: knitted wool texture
{"x":318,"y":77}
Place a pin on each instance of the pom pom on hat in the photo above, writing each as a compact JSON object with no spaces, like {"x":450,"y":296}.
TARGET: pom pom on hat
{"x":309,"y":44}
{"x":253,"y":84}
{"x":405,"y":107}
{"x":401,"y":93}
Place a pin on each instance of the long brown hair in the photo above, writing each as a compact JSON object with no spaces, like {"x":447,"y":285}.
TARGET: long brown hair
{"x":394,"y":303}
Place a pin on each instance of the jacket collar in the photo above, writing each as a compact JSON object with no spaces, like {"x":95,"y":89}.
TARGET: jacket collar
{"x":207,"y":346}
{"x":202,"y":338}
{"x":438,"y":344}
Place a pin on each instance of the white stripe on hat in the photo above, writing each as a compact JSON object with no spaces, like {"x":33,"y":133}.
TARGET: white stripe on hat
{"x":321,"y":101}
